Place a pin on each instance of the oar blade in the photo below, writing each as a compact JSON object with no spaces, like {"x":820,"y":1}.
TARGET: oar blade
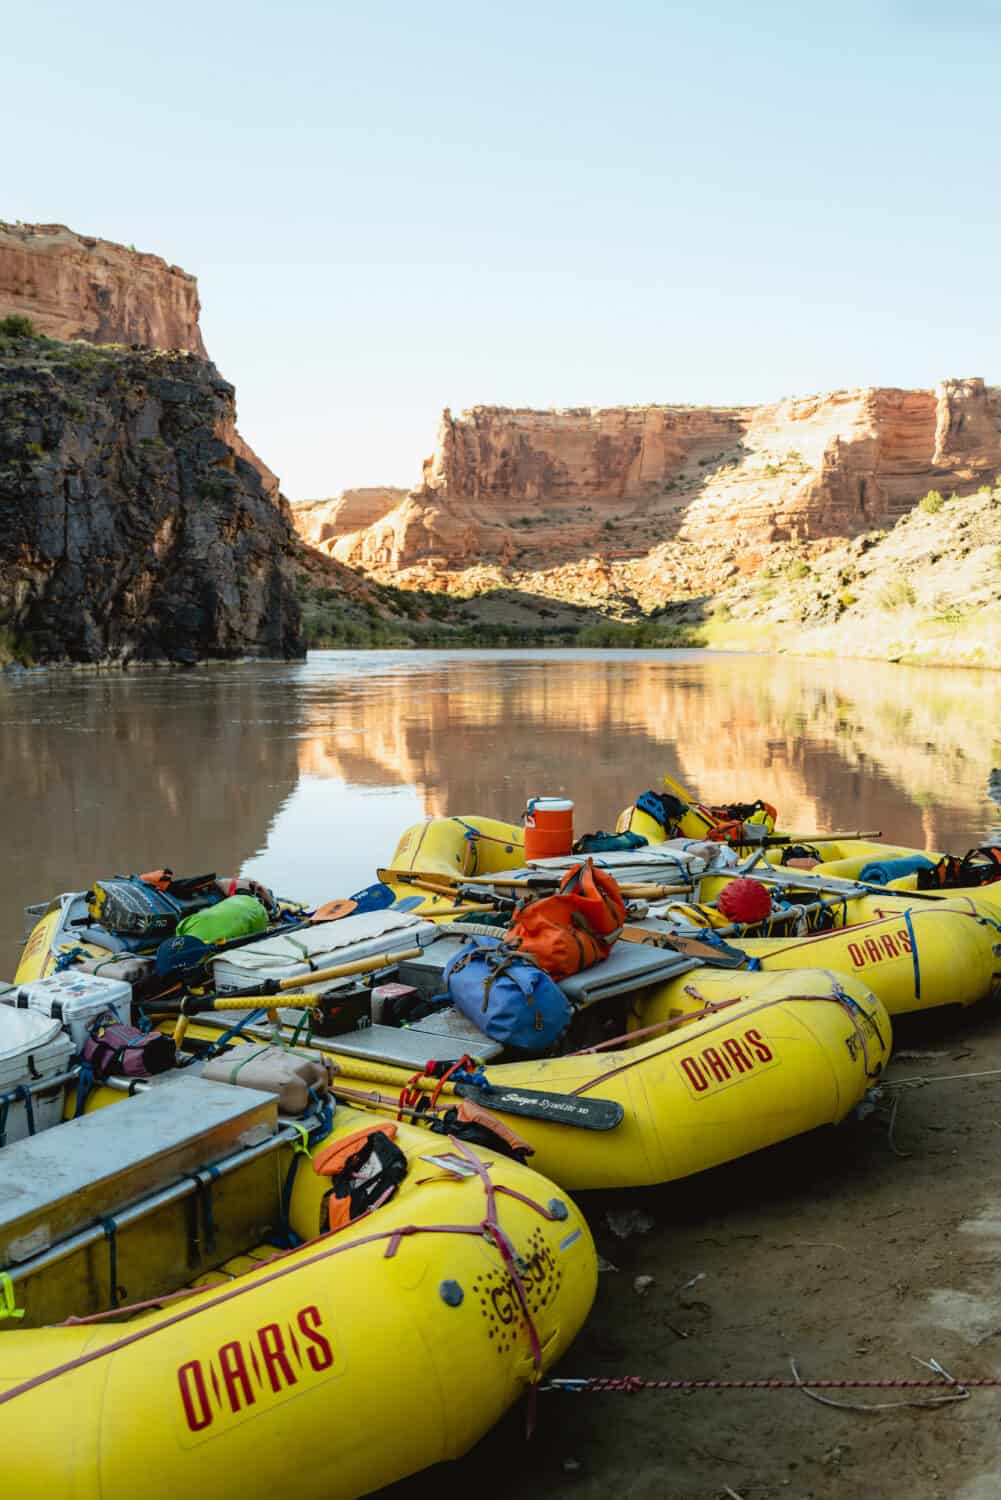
{"x":537,"y":1104}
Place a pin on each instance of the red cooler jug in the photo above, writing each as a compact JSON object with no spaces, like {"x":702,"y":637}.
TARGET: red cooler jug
{"x":548,"y":827}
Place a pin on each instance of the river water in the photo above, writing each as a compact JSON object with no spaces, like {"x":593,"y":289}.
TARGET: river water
{"x":305,"y":774}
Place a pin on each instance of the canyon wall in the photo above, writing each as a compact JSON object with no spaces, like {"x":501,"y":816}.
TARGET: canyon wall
{"x":632,"y":500}
{"x":73,"y":286}
{"x":132,"y":526}
{"x":321,"y":523}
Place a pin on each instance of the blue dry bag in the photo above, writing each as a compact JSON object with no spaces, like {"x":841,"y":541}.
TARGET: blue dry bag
{"x":507,"y":995}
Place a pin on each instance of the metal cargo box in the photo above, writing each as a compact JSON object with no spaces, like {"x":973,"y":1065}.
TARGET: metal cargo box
{"x":67,"y":1179}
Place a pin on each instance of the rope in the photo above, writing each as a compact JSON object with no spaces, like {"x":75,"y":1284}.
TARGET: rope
{"x":919,"y":1079}
{"x":628,"y":1385}
{"x":488,"y":1226}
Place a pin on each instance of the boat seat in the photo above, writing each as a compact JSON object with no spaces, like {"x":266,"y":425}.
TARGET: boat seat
{"x":67,"y":1179}
{"x":629,"y":967}
{"x":445,"y":1036}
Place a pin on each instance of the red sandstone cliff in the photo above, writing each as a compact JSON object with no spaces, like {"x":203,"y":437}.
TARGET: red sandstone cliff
{"x":321,"y":523}
{"x":648,"y":501}
{"x":75,"y":287}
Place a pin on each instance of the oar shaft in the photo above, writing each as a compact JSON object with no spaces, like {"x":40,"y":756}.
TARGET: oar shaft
{"x":774,"y":840}
{"x":345,"y":970}
{"x":353,"y":1069}
{"x":247,"y":1001}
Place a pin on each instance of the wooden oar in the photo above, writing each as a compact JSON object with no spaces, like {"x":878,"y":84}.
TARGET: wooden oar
{"x":266,"y":989}
{"x":634,"y":889}
{"x":713,"y":955}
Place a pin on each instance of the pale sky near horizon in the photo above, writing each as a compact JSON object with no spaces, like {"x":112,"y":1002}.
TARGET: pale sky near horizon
{"x":393,"y":207}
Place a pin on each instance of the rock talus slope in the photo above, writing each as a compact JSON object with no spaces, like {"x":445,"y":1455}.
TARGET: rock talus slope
{"x":73,"y":286}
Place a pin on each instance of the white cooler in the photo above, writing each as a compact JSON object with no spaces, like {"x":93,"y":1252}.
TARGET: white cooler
{"x":75,"y":999}
{"x":33,"y":1048}
{"x":321,"y":946}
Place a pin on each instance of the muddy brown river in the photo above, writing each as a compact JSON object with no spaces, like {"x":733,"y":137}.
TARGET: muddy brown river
{"x":305,"y":774}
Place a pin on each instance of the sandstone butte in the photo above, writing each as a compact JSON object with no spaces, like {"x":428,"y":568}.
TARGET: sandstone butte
{"x":658,"y":503}
{"x":73,"y":286}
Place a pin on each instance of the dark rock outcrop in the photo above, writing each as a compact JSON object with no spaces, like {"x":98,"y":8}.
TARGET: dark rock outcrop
{"x":132,"y":527}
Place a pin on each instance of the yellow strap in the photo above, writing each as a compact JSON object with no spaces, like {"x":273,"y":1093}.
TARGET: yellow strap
{"x":8,"y":1307}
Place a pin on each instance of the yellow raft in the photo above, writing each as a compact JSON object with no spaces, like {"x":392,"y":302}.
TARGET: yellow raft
{"x":740,"y":1061}
{"x":914,"y":952}
{"x":325,"y":1372}
{"x":736,"y":1062}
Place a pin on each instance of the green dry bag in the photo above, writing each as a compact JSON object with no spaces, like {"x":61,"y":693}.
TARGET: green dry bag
{"x":236,"y":916}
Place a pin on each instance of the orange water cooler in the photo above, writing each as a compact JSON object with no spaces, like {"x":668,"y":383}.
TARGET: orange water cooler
{"x":548,"y":827}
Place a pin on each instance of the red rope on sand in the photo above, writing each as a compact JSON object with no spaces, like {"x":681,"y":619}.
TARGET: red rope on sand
{"x":629,"y":1384}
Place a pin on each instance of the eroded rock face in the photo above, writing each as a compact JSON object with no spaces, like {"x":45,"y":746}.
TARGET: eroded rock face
{"x":323,"y":522}
{"x":75,"y":287}
{"x":650,"y":500}
{"x":132,"y":526}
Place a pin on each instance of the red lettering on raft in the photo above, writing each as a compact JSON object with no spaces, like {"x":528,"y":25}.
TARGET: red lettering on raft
{"x":194,"y":1395}
{"x":732,"y":1060}
{"x":235,"y":1375}
{"x":321,"y":1357}
{"x":875,"y":950}
{"x":272,"y":1346}
{"x":261,"y":1360}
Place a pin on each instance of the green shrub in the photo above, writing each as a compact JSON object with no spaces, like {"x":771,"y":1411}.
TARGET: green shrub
{"x":897,"y":595}
{"x":846,"y":598}
{"x":13,"y":650}
{"x":797,"y":569}
{"x":932,"y":502}
{"x":17,"y":326}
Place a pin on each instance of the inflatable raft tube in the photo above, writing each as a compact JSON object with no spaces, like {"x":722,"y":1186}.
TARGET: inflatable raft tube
{"x":785,"y":1054}
{"x":347,"y":1364}
{"x":459,"y":846}
{"x":915,"y":955}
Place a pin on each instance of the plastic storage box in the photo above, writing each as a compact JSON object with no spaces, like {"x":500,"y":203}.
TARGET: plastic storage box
{"x":75,"y":999}
{"x":322,"y":946}
{"x":33,"y":1048}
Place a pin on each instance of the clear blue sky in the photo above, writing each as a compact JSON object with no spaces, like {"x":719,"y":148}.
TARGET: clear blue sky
{"x":393,"y":207}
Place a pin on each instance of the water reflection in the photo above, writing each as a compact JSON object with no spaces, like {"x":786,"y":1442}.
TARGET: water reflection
{"x":305,"y":774}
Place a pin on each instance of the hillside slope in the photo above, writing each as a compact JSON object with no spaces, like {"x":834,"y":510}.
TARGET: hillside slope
{"x":928,"y":590}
